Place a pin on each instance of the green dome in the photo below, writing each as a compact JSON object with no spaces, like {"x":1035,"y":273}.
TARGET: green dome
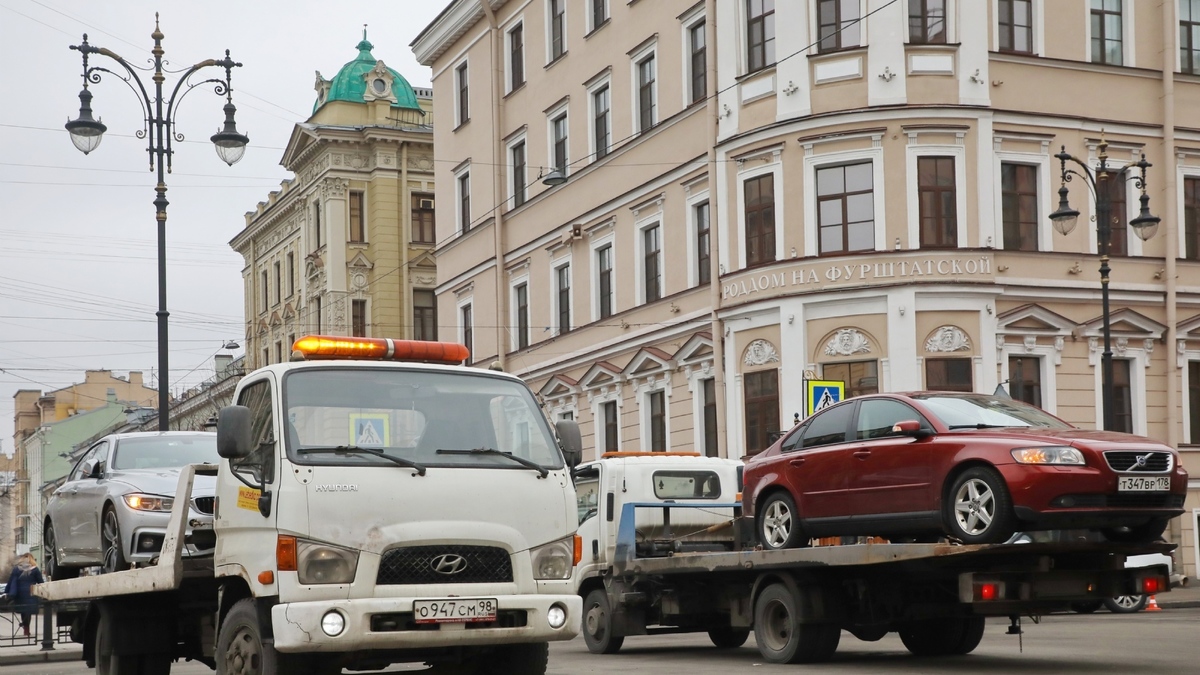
{"x":350,"y":84}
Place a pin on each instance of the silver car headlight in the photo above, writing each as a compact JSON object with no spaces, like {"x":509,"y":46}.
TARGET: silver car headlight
{"x":144,"y":502}
{"x":554,"y":560}
{"x":1049,"y":454}
{"x":324,"y":564}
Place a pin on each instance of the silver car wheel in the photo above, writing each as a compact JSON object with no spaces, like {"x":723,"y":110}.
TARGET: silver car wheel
{"x":777,"y":524}
{"x":974,"y":506}
{"x":110,"y":539}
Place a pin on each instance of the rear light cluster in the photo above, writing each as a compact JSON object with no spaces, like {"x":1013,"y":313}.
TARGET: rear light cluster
{"x":1152,"y":585}
{"x":986,"y":591}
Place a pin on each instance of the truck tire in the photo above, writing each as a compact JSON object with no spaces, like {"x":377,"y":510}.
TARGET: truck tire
{"x":979,"y":508}
{"x":782,"y":635}
{"x":1147,"y":532}
{"x":55,"y":571}
{"x":778,"y":523}
{"x":108,"y":630}
{"x":1125,"y":604}
{"x":728,"y":638}
{"x":943,"y":637}
{"x":597,"y":624}
{"x":242,"y":651}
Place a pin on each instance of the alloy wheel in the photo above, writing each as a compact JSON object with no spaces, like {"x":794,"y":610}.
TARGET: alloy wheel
{"x":777,"y":523}
{"x":974,"y":506}
{"x":110,"y":536}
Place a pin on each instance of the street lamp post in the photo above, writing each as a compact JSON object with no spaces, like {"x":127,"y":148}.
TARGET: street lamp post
{"x":1100,"y":182}
{"x":86,"y":133}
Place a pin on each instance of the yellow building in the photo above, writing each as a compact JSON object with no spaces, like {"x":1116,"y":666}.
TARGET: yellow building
{"x":766,"y":193}
{"x":344,"y":247}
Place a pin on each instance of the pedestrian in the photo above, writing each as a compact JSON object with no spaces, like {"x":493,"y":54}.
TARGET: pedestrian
{"x":25,"y":574}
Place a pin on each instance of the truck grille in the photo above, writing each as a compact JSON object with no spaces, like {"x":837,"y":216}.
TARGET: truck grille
{"x":1126,"y":461}
{"x":444,"y":565}
{"x":204,"y":504}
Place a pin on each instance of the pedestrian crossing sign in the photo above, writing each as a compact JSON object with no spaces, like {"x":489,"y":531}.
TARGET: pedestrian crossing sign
{"x":370,"y":430}
{"x":820,"y":394}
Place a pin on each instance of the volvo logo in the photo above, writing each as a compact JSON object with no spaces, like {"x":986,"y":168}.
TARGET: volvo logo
{"x":1141,"y":461}
{"x":448,"y":563}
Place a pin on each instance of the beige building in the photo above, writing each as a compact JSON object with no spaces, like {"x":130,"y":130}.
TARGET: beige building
{"x":344,"y":247}
{"x":851,"y":191}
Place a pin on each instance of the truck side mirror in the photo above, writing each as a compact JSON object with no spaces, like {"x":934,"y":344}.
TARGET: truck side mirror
{"x":233,"y":432}
{"x":571,"y":440}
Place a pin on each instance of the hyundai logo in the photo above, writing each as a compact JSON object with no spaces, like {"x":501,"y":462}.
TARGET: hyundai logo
{"x":448,"y":563}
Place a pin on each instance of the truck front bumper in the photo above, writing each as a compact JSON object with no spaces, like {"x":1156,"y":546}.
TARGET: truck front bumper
{"x":387,"y":623}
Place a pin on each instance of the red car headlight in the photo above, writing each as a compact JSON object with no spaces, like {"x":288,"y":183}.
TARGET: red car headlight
{"x":1049,"y":454}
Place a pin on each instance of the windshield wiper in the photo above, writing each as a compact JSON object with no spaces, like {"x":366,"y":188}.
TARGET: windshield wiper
{"x":542,"y":471}
{"x":978,"y":426}
{"x":356,"y":450}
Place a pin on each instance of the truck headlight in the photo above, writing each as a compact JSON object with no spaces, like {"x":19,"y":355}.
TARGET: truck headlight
{"x":554,"y":560}
{"x":144,"y":502}
{"x":1049,"y":454}
{"x":325,"y":564}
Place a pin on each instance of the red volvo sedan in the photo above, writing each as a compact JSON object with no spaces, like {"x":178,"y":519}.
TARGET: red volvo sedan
{"x":971,"y":467}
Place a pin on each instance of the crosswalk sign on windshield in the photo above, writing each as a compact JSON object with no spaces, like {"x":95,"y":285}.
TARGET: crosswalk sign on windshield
{"x":820,"y":394}
{"x":369,"y":430}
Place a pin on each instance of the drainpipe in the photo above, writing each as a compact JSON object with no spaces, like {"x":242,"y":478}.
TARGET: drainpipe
{"x":1170,"y":229}
{"x":406,"y":297}
{"x":714,"y":246}
{"x":497,"y":181}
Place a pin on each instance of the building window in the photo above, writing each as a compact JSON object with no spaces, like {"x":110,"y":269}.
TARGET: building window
{"x":1122,"y":403}
{"x":317,"y":314}
{"x":463,"y":88}
{"x":357,"y":223}
{"x":760,"y":34}
{"x":1025,"y":379}
{"x":1019,"y":197}
{"x":1194,"y":402}
{"x":927,"y":22}
{"x":698,"y":62}
{"x":1189,"y":37}
{"x":601,"y":121}
{"x":658,"y":421}
{"x":761,"y":409}
{"x":1106,"y":32}
{"x":604,"y":267}
{"x":266,"y":292}
{"x":948,"y":375}
{"x":646,"y":93}
{"x":651,"y":264}
{"x":937,"y":202}
{"x":521,"y":307}
{"x":358,"y":318}
{"x":464,"y":202}
{"x":422,"y":219}
{"x":1118,"y":211}
{"x":562,"y":279}
{"x":703,"y":262}
{"x":278,"y":283}
{"x":1016,"y":26}
{"x":710,"y":417}
{"x":558,"y":29}
{"x":424,"y":315}
{"x":1191,"y":218}
{"x":517,"y":164}
{"x":291,"y":272}
{"x":516,"y":57}
{"x":861,"y":377}
{"x":599,"y":13}
{"x":846,"y":208}
{"x":316,"y":226}
{"x":838,"y":25}
{"x":266,"y":356}
{"x":466,"y":321}
{"x":609,"y":411}
{"x":558,"y":142}
{"x":760,"y":219}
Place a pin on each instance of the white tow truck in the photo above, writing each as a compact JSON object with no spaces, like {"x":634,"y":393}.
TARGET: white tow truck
{"x":666,"y":550}
{"x":376,"y":503}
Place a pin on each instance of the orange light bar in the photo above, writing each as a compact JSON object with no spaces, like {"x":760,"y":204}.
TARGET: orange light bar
{"x":578,"y":550}
{"x":640,"y":453}
{"x":285,"y":553}
{"x":332,"y":347}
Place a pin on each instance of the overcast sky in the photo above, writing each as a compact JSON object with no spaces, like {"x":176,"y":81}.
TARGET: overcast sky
{"x":78,"y":265}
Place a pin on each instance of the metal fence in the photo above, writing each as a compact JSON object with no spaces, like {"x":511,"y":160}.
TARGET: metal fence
{"x":12,"y":635}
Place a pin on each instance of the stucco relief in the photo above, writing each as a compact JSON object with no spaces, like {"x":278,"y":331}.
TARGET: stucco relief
{"x":422,"y":162}
{"x":948,"y":339}
{"x":846,"y":342}
{"x":760,"y":352}
{"x":334,"y":188}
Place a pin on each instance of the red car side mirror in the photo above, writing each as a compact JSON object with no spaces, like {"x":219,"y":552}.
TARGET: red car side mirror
{"x":911,"y":428}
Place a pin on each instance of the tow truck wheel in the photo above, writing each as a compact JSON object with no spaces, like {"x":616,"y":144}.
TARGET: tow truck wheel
{"x":943,"y":637}
{"x":779,"y":523}
{"x":979,"y":508}
{"x":597,"y":624}
{"x":109,"y":663}
{"x":1125,"y":604}
{"x":728,"y":638}
{"x":782,"y":635}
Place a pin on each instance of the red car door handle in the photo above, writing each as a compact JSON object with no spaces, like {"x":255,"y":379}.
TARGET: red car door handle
{"x":797,"y":462}
{"x":862,"y":454}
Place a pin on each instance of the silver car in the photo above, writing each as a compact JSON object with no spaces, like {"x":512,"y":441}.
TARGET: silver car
{"x":113,"y":509}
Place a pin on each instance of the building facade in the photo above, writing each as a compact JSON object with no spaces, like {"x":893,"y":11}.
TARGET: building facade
{"x":344,"y":247}
{"x":762,"y":194}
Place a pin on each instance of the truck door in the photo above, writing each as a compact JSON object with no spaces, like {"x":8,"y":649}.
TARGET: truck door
{"x":589,"y":502}
{"x":246,"y":511}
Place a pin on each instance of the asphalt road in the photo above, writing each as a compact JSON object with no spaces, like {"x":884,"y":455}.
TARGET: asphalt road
{"x":1159,"y":642}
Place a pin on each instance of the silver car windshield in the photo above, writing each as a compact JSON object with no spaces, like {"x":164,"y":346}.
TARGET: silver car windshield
{"x":981,"y":411}
{"x":437,"y":419}
{"x":165,"y":452}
